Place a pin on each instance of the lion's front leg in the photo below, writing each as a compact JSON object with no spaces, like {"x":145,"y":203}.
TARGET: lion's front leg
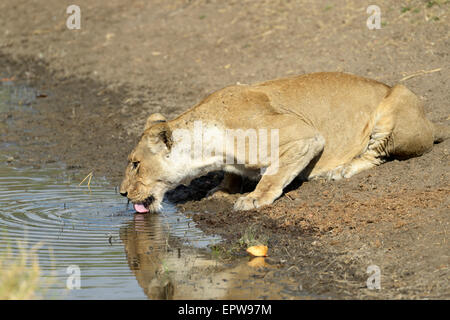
{"x":294,"y":157}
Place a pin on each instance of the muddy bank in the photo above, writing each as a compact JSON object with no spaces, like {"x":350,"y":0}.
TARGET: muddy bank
{"x":96,"y":88}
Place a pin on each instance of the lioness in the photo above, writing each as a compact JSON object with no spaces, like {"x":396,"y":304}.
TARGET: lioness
{"x":328,"y":125}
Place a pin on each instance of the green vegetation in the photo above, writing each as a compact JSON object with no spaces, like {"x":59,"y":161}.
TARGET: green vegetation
{"x":252,"y":237}
{"x":405,"y":9}
{"x":222,"y":252}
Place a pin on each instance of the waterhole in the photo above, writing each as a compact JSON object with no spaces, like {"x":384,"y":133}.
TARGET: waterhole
{"x":92,"y":229}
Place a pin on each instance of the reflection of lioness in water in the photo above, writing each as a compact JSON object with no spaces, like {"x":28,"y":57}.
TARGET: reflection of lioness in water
{"x":330,"y":125}
{"x":167,"y":269}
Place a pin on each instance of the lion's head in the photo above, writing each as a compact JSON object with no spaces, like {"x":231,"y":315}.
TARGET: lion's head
{"x":148,"y":174}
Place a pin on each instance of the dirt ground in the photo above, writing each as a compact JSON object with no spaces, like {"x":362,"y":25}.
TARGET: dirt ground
{"x":97,"y":85}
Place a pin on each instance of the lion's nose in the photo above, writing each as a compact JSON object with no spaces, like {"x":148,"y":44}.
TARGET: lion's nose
{"x":124,"y":193}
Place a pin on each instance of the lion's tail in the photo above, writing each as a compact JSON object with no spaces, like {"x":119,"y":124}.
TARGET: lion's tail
{"x":440,"y":132}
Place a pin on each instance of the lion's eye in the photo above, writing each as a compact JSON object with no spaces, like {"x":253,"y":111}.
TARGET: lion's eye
{"x":135,"y":164}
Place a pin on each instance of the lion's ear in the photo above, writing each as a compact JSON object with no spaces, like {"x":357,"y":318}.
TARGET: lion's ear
{"x":153,"y":119}
{"x":160,"y":133}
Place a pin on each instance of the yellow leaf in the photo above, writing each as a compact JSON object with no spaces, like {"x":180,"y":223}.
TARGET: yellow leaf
{"x":258,"y":251}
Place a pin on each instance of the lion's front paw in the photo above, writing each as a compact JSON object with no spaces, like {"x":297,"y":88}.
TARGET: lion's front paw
{"x":252,"y":201}
{"x":246,"y":203}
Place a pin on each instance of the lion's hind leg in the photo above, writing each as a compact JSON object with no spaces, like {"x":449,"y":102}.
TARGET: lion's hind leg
{"x":378,"y":147}
{"x":400,"y":129}
{"x":374,"y":155}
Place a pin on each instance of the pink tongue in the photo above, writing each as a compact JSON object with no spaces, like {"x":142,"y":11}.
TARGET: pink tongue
{"x":140,"y":208}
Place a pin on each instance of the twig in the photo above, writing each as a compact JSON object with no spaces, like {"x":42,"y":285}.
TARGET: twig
{"x":89,"y":177}
{"x":293,"y":267}
{"x":419,"y":73}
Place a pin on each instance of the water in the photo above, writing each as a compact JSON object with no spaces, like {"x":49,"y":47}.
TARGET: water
{"x":87,"y":229}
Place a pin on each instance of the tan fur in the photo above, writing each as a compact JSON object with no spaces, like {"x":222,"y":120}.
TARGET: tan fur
{"x":331,"y":125}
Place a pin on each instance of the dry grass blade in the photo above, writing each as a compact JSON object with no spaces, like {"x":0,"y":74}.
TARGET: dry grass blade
{"x":20,"y":274}
{"x":88,"y":177}
{"x":419,"y":73}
